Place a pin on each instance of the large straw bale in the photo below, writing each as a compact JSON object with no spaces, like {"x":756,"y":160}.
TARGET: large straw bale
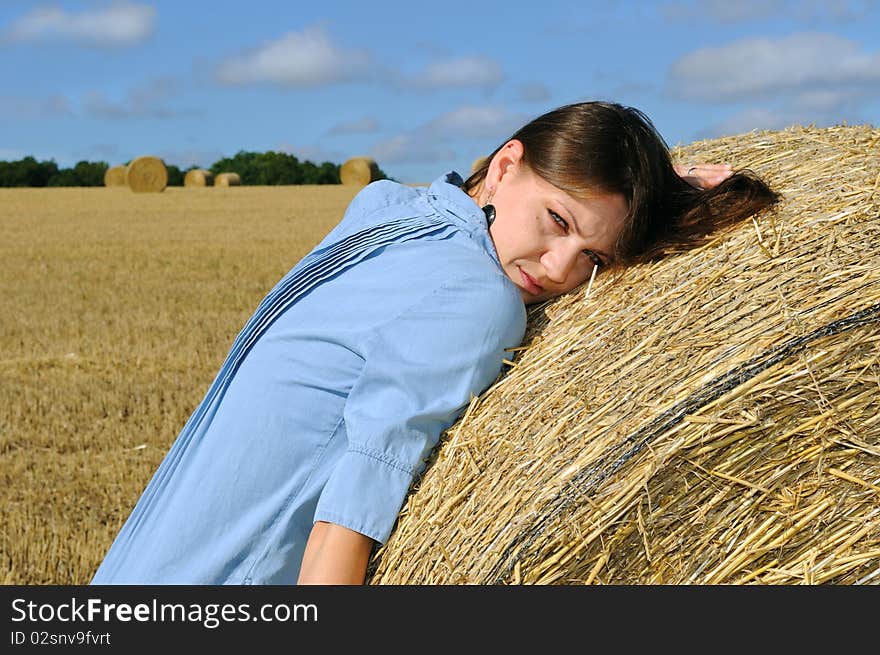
{"x":359,"y":171}
{"x":198,"y":177}
{"x":227,"y":179}
{"x":115,"y":176}
{"x":146,"y":174}
{"x":711,"y":418}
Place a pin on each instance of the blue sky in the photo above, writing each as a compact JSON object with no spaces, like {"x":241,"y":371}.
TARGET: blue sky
{"x":423,"y":87}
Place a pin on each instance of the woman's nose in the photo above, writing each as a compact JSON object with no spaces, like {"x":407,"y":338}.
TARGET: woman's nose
{"x":559,"y":262}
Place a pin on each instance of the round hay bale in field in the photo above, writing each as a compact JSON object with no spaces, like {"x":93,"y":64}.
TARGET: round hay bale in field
{"x":147,"y":175}
{"x":359,"y":171}
{"x":115,"y":176}
{"x":198,"y":177}
{"x":227,"y":179}
{"x":710,"y":418}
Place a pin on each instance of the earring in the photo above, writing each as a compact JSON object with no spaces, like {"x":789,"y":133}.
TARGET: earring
{"x":489,"y":211}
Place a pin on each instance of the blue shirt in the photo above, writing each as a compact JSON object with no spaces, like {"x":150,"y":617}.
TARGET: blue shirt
{"x":332,"y":396}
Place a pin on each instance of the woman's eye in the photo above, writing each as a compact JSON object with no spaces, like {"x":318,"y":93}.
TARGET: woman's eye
{"x":597,"y":261}
{"x":559,"y":220}
{"x":594,"y":258}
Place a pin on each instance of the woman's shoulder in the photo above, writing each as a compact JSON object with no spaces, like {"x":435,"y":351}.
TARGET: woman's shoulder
{"x":448,"y":260}
{"x":452,"y":274}
{"x":467,"y":312}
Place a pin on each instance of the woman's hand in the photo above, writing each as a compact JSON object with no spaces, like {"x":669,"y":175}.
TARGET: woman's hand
{"x":703,"y":176}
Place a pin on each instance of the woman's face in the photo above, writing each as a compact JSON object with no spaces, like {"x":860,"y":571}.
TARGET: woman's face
{"x":548,"y":241}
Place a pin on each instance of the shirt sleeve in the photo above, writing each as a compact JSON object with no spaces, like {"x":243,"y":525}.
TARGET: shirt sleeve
{"x":420,"y":370}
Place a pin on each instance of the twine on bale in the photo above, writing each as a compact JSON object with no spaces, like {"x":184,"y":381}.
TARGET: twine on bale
{"x":711,"y":418}
{"x":227,"y":179}
{"x":147,"y":175}
{"x":359,"y":171}
{"x":115,"y":176}
{"x":198,"y":177}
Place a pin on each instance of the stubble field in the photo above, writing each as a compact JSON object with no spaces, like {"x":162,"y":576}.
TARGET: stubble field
{"x":116,"y":311}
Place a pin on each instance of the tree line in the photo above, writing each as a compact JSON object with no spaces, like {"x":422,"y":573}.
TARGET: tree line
{"x":268,"y":168}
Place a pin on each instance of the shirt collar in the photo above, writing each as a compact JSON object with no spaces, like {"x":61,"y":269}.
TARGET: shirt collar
{"x":446,"y":194}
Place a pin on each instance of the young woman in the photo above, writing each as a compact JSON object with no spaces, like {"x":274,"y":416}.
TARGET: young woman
{"x":333,"y":395}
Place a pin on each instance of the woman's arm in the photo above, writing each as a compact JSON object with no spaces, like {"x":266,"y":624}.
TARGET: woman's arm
{"x":335,"y":555}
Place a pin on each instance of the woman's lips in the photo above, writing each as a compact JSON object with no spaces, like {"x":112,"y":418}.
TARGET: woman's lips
{"x":530,"y":285}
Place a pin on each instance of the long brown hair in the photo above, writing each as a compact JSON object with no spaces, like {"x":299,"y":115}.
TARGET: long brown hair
{"x":587,"y":147}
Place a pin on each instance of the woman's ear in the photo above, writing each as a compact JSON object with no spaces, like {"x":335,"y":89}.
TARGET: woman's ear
{"x":505,"y":162}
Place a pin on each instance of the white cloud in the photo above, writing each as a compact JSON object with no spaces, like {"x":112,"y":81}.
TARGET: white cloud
{"x":310,"y":58}
{"x":475,"y":121}
{"x":756,"y":118}
{"x":365,"y":125}
{"x":119,"y":25}
{"x":766,"y":68}
{"x":463,"y":72}
{"x":433,"y":141}
{"x":410,"y":147}
{"x":766,"y":118}
{"x":299,"y":59}
{"x":826,"y":100}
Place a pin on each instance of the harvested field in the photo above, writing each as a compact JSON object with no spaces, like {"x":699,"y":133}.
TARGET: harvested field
{"x":116,"y":312}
